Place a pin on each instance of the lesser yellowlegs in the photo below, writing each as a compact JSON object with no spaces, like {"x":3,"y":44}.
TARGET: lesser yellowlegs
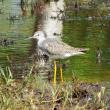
{"x":55,"y":49}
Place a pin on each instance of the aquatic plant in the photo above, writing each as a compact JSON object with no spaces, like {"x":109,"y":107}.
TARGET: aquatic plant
{"x":6,"y":75}
{"x":34,"y":93}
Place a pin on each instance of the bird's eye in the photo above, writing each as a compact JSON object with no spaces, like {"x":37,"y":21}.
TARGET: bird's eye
{"x":38,"y":35}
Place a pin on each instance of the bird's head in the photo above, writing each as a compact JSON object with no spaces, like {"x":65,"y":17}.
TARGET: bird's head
{"x":39,"y":35}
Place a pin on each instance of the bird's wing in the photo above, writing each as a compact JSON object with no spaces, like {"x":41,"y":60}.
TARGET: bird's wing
{"x":59,"y":47}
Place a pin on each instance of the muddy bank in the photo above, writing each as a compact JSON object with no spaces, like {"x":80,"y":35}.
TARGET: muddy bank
{"x":34,"y":93}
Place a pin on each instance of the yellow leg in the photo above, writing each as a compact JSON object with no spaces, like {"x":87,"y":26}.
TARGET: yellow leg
{"x":55,"y":72}
{"x":61,"y":73}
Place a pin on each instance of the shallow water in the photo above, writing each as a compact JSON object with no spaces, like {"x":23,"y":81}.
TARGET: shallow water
{"x":79,"y":31}
{"x":16,"y":27}
{"x":94,"y":34}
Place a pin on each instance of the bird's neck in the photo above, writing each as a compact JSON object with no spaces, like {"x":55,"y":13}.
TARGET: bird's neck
{"x":40,"y":41}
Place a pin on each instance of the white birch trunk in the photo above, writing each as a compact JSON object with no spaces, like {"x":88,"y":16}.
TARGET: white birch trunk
{"x":52,"y":24}
{"x":51,"y":20}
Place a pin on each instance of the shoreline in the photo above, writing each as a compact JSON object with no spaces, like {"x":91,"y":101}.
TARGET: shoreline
{"x":34,"y":93}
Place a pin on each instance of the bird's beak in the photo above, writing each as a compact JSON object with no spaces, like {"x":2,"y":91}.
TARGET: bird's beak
{"x":28,"y":38}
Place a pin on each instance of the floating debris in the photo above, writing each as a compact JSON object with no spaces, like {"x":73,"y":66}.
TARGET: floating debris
{"x":6,"y":42}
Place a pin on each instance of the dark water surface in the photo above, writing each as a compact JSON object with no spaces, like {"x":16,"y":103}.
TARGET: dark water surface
{"x":82,"y":30}
{"x":16,"y":24}
{"x":85,"y":30}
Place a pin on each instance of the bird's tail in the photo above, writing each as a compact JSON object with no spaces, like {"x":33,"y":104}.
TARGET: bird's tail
{"x":84,"y":49}
{"x":78,"y":53}
{"x":81,"y":49}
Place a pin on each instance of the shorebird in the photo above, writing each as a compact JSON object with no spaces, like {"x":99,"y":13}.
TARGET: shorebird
{"x":55,"y":49}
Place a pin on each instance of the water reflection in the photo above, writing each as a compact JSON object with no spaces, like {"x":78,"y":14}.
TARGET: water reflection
{"x":6,"y":42}
{"x":98,"y":55}
{"x":82,"y":28}
{"x":14,"y":30}
{"x":93,"y":33}
{"x":2,"y":1}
